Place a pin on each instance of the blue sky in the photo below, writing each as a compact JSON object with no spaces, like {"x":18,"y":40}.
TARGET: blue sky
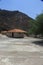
{"x":30,"y":7}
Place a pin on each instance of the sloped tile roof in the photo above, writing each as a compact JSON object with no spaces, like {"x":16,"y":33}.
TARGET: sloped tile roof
{"x":16,"y":30}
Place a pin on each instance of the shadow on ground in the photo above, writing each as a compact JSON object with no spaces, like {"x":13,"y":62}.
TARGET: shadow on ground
{"x":40,"y":42}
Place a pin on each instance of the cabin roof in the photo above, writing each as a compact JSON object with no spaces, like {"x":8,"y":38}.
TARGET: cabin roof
{"x":3,"y":31}
{"x":17,"y":30}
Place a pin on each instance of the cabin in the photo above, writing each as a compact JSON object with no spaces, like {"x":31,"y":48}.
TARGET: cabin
{"x":17,"y":33}
{"x":3,"y":32}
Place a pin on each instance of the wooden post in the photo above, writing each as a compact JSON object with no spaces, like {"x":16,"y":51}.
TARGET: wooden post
{"x":12,"y":34}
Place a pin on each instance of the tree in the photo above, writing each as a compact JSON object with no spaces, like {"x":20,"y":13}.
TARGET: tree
{"x":37,"y":25}
{"x":34,"y":27}
{"x":39,"y":18}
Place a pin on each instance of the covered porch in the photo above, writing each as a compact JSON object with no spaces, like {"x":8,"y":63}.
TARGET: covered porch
{"x":17,"y":33}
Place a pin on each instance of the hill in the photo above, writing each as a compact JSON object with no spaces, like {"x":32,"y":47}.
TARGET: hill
{"x":14,"y":19}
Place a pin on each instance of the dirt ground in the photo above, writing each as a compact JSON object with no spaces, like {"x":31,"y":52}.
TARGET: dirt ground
{"x":22,"y":51}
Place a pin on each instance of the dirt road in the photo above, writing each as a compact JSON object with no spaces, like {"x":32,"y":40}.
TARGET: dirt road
{"x":20,"y":51}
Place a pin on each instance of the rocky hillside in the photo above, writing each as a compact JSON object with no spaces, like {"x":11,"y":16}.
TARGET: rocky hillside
{"x":13,"y":19}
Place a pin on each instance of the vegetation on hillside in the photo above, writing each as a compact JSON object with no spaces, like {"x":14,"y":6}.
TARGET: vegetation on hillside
{"x":14,"y":19}
{"x":37,"y":25}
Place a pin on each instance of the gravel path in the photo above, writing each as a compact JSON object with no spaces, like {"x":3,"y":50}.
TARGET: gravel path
{"x":20,"y":51}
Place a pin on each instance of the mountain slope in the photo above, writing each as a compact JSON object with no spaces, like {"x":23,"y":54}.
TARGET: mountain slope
{"x":14,"y":19}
